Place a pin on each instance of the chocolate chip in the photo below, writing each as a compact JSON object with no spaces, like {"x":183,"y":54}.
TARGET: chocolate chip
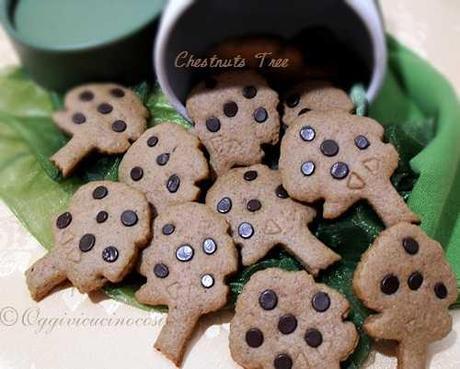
{"x":253,"y":205}
{"x":102,"y":216}
{"x":415,"y":280}
{"x":161,"y":270}
{"x":110,"y":254}
{"x":287,"y":324}
{"x":117,"y":92}
{"x":254,"y":337}
{"x":224,"y":205}
{"x":329,"y":148}
{"x":87,"y":242}
{"x":119,"y":126}
{"x":78,"y":118}
{"x":64,"y":220}
{"x":250,"y":175}
{"x":339,"y":170}
{"x":307,"y":133}
{"x":410,"y":245}
{"x":281,"y":192}
{"x":440,"y":290}
{"x":213,"y":124}
{"x":209,"y":246}
{"x":321,"y":302}
{"x":293,"y":100}
{"x":268,"y":300}
{"x":361,"y":142}
{"x":389,"y":284}
{"x":152,"y":141}
{"x":210,"y":83}
{"x":260,"y":115}
{"x":86,"y":96}
{"x":173,"y":183}
{"x":245,"y":230}
{"x":184,"y":253}
{"x":313,"y":337}
{"x":207,"y":281}
{"x":303,"y":111}
{"x":307,"y":168}
{"x":163,"y":159}
{"x":136,"y":173}
{"x":282,"y":361}
{"x":129,"y":218}
{"x":249,"y":92}
{"x":100,"y":192}
{"x":168,"y":229}
{"x":105,"y":108}
{"x":230,"y":109}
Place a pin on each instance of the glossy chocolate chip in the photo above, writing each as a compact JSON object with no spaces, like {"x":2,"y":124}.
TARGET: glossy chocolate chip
{"x":249,"y":92}
{"x":207,"y":280}
{"x":389,"y":284}
{"x":119,"y":126}
{"x":224,"y":205}
{"x":105,"y":108}
{"x":339,"y":170}
{"x":100,"y":192}
{"x":329,"y":148}
{"x":245,"y":230}
{"x":129,"y":218}
{"x":152,"y":141}
{"x":184,"y":253}
{"x":410,"y":245}
{"x":250,"y":175}
{"x":87,"y":242}
{"x":293,"y":100}
{"x":307,"y":168}
{"x":209,"y":246}
{"x":287,"y":324}
{"x":78,"y":118}
{"x":321,"y":302}
{"x":213,"y":124}
{"x":282,"y":361}
{"x":260,"y":115}
{"x":313,"y":337}
{"x":361,"y":142}
{"x":86,"y":96}
{"x":253,"y":205}
{"x":281,"y":192}
{"x":110,"y":254}
{"x":117,"y":92}
{"x":230,"y":109}
{"x":268,"y":300}
{"x":102,"y":216}
{"x":136,"y":173}
{"x":307,"y":133}
{"x":168,"y":229}
{"x":440,"y":290}
{"x":161,"y":270}
{"x":254,"y":337}
{"x":173,"y":183}
{"x":163,"y":159}
{"x":415,"y":280}
{"x":64,"y":220}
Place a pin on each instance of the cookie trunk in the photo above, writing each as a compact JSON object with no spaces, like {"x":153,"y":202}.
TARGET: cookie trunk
{"x":68,"y":157}
{"x":412,"y":355}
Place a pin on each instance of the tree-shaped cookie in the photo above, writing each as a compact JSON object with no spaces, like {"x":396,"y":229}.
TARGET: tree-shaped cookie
{"x":234,"y":114}
{"x":262,"y":216}
{"x":165,"y":163}
{"x":341,"y":158}
{"x":315,"y":95}
{"x":97,"y":240}
{"x":186,"y":265}
{"x":99,"y":117}
{"x":406,"y":279}
{"x":285,"y":320}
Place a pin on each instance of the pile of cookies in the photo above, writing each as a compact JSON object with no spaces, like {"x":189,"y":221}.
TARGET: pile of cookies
{"x":187,"y":243}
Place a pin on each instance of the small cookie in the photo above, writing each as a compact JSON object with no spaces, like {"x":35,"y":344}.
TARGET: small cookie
{"x":262,"y":216}
{"x":102,"y":117}
{"x":97,"y":240}
{"x":406,"y":279}
{"x":234,"y":114}
{"x":341,"y":158}
{"x":165,"y":163}
{"x":315,"y":95}
{"x":186,"y":265}
{"x":285,"y":320}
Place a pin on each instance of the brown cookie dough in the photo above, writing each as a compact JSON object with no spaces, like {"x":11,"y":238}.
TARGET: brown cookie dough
{"x":165,"y":163}
{"x":234,"y":114}
{"x":97,"y":240}
{"x":186,"y":265}
{"x":406,"y":279}
{"x":315,"y":95}
{"x":102,"y":117}
{"x":341,"y":158}
{"x":262,"y":216}
{"x":285,"y":320}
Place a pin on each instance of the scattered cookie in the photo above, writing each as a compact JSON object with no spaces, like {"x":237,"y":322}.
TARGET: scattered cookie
{"x":234,"y":114}
{"x":102,"y":117}
{"x":406,"y":279}
{"x":186,"y":265}
{"x":341,"y":158}
{"x":95,"y":241}
{"x":165,"y":163}
{"x":315,"y":95}
{"x":262,"y":216}
{"x":285,"y":320}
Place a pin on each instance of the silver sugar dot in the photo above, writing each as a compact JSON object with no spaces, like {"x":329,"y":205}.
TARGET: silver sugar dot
{"x":307,"y":133}
{"x":207,"y":281}
{"x":307,"y":168}
{"x":184,"y":253}
{"x":209,"y":246}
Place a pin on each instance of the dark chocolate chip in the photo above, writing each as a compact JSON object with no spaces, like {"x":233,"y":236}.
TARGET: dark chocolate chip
{"x":102,"y":216}
{"x":440,"y":290}
{"x":173,"y":183}
{"x":268,"y":300}
{"x":389,"y":284}
{"x":245,"y":230}
{"x":110,"y":254}
{"x":415,"y":280}
{"x":168,"y":229}
{"x":253,"y":205}
{"x":287,"y":324}
{"x":136,"y":173}
{"x":119,"y":126}
{"x":410,"y":245}
{"x":100,"y":192}
{"x":329,"y":148}
{"x":361,"y":142}
{"x":321,"y":302}
{"x":282,"y":361}
{"x":250,"y":175}
{"x":260,"y":115}
{"x":86,"y":95}
{"x":78,"y":118}
{"x":254,"y":337}
{"x":129,"y":218}
{"x":339,"y":170}
{"x":281,"y":192}
{"x":152,"y":141}
{"x":307,"y":168}
{"x":163,"y":159}
{"x":313,"y":337}
{"x":209,"y":246}
{"x":87,"y":242}
{"x":160,"y":270}
{"x":307,"y":133}
{"x":303,"y":111}
{"x":293,"y":100}
{"x":64,"y":220}
{"x":117,"y":92}
{"x":224,"y":205}
{"x":249,"y":92}
{"x":213,"y":124}
{"x":105,"y":108}
{"x":230,"y":109}
{"x":210,"y":83}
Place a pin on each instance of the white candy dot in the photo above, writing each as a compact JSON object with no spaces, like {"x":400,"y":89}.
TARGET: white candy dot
{"x":207,"y":281}
{"x":184,"y":253}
